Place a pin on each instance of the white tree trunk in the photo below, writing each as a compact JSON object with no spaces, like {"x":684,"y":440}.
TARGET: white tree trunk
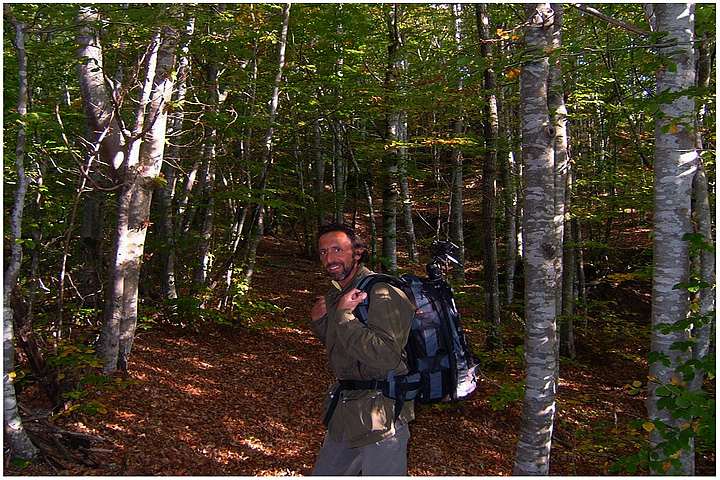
{"x":457,"y":235}
{"x":266,"y":159}
{"x":395,"y":127}
{"x":558,"y":111}
{"x":540,"y":252}
{"x":167,"y":227}
{"x":15,"y":435}
{"x":142,"y":167}
{"x":675,"y":166}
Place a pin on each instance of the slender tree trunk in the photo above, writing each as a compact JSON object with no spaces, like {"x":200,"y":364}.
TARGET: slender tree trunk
{"x":558,"y":111}
{"x":204,"y":239}
{"x":704,"y":265}
{"x":15,"y":434}
{"x":170,"y":169}
{"x":705,"y":271}
{"x":266,"y":160}
{"x":392,"y":161}
{"x":340,"y":171}
{"x":510,"y":211}
{"x":567,"y":337}
{"x":675,"y":166}
{"x":457,"y":235}
{"x":541,"y":365}
{"x":489,"y":192}
{"x":406,"y":198}
{"x":319,"y":165}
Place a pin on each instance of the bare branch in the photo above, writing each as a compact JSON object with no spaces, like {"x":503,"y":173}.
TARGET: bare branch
{"x":594,"y":12}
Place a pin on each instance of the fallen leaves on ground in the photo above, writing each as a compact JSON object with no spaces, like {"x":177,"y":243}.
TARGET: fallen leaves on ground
{"x":246,"y":401}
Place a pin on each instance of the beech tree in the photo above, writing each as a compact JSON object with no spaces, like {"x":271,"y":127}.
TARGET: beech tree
{"x":396,"y":136}
{"x":134,"y":155}
{"x":540,"y":249}
{"x":266,"y":158}
{"x":367,"y":92}
{"x":491,"y":125}
{"x":675,"y":166}
{"x":14,"y":430}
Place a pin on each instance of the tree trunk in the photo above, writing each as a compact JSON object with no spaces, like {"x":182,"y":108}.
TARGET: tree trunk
{"x":457,"y":235}
{"x":340,"y":171}
{"x":541,"y":366}
{"x":675,"y":166}
{"x":406,"y":198}
{"x":15,"y":434}
{"x":567,"y":337}
{"x":266,"y":159}
{"x":395,"y":127}
{"x":319,"y":165}
{"x":489,"y":181}
{"x":704,"y":265}
{"x":170,"y":168}
{"x":510,"y":212}
{"x":204,"y":239}
{"x":144,"y":154}
{"x":558,"y":111}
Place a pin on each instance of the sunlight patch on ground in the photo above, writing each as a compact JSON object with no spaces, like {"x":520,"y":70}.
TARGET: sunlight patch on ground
{"x":191,"y":390}
{"x":202,"y":365}
{"x":158,"y":369}
{"x":116,"y":427}
{"x":257,"y":445}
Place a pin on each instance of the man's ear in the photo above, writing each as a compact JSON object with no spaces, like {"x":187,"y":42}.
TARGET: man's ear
{"x":359,"y":253}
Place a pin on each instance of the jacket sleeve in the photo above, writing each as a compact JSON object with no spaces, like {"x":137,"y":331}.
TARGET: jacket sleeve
{"x":320,"y":328}
{"x":378,"y":344}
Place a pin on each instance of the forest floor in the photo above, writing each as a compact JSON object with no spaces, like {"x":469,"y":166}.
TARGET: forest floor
{"x":246,"y":401}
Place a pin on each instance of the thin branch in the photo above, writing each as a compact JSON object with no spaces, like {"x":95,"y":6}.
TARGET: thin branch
{"x":594,"y":12}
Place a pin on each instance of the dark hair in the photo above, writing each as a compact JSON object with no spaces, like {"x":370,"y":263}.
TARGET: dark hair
{"x":355,"y":239}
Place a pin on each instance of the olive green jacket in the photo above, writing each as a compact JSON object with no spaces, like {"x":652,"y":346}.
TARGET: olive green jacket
{"x":366,"y":352}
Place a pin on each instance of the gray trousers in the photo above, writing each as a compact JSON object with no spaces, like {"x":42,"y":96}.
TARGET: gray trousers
{"x":386,"y":457}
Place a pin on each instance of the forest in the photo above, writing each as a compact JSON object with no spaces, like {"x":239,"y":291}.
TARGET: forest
{"x":167,"y":167}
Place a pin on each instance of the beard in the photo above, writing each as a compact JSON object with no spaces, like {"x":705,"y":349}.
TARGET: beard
{"x":340,"y":275}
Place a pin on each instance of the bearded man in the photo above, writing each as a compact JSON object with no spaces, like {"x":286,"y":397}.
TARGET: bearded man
{"x":365,"y":432}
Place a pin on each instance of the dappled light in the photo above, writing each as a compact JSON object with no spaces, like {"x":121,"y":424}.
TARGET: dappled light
{"x":247,"y":401}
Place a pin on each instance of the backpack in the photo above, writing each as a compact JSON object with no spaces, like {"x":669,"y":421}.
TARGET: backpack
{"x":441,"y":368}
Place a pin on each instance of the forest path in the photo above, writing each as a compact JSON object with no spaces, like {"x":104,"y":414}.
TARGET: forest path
{"x":246,"y":401}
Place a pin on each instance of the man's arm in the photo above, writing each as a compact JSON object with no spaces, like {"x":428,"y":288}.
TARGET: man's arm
{"x":378,"y":344}
{"x":318,"y":316}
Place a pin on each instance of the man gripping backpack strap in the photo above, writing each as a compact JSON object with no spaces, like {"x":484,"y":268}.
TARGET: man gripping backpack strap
{"x":365,"y":431}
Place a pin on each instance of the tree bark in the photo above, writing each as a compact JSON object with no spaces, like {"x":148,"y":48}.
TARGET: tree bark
{"x":675,"y":166}
{"x":489,"y":191}
{"x":395,"y":118}
{"x":457,"y":235}
{"x":541,"y":265}
{"x":15,"y":434}
{"x":142,"y":160}
{"x":172,"y":161}
{"x":507,"y":169}
{"x":558,"y":112}
{"x":569,"y":261}
{"x":266,"y":159}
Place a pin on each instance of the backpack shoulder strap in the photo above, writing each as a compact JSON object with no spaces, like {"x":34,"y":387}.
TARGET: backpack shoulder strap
{"x":366,"y":284}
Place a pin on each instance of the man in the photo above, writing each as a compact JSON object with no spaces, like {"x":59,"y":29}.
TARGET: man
{"x":365,"y":433}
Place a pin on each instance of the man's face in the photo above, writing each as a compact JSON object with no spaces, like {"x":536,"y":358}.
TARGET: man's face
{"x":338,"y":257}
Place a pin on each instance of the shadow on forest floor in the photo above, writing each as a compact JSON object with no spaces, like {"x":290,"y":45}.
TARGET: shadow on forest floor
{"x":246,"y":401}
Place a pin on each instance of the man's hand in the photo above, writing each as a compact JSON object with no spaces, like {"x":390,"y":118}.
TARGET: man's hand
{"x":319,"y":310}
{"x":352,"y":299}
